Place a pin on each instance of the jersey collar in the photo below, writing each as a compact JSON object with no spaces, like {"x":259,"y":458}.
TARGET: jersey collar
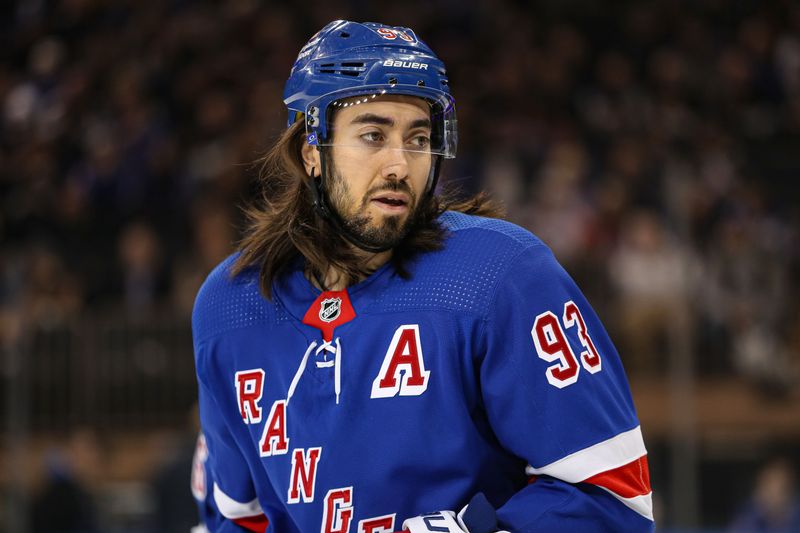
{"x":296,"y":293}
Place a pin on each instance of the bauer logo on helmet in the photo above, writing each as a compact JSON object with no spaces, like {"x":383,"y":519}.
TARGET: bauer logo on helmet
{"x":405,"y":64}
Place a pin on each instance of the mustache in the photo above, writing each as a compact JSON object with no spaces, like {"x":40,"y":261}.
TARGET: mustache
{"x":392,"y":186}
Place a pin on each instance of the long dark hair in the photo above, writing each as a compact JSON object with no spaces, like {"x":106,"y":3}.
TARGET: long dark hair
{"x":283,"y":224}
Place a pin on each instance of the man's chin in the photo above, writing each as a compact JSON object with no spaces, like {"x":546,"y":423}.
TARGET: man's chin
{"x":388,"y":223}
{"x":389,"y":234}
{"x":377,"y":228}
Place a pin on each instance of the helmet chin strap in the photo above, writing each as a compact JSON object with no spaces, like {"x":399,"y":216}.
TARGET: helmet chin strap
{"x":324,"y":208}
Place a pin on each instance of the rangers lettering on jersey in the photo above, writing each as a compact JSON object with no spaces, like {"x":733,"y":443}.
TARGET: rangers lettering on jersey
{"x":338,"y":511}
{"x":249,"y":389}
{"x":379,"y":524}
{"x":304,"y":475}
{"x":274,"y":440}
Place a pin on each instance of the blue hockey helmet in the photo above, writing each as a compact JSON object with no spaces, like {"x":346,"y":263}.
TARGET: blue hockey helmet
{"x":346,"y":60}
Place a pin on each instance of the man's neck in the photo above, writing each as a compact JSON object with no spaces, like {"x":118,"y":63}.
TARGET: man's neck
{"x":335,"y":280}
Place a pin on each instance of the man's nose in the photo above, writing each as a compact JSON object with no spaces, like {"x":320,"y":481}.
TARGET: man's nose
{"x":395,"y":164}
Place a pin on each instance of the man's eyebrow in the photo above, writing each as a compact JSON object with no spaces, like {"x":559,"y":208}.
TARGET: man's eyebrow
{"x":421,"y":123}
{"x":371,"y":118}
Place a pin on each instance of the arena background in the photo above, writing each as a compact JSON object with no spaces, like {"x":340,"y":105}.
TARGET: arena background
{"x":654,"y":145}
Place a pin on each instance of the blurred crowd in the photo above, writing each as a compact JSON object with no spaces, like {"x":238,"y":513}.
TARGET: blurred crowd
{"x":654,"y":145}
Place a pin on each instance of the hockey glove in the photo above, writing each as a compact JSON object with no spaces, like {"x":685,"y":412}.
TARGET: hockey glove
{"x":476,"y":517}
{"x":444,"y":521}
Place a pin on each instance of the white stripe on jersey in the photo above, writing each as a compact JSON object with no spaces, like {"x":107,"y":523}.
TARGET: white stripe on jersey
{"x":601,"y":457}
{"x":610,"y":454}
{"x":641,"y":504}
{"x":232,"y":509}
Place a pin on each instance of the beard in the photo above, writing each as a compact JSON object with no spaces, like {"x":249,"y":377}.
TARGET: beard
{"x":381,"y":231}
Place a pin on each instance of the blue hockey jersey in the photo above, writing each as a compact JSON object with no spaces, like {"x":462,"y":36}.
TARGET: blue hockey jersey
{"x":351,"y":411}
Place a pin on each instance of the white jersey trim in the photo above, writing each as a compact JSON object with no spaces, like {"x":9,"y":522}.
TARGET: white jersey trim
{"x":232,"y":509}
{"x":601,"y":457}
{"x":641,"y":504}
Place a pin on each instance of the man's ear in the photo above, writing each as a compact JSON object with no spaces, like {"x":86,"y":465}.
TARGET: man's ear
{"x":310,"y":156}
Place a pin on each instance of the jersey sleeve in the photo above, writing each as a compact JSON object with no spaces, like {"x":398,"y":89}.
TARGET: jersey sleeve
{"x":557,"y":397}
{"x":230,"y":503}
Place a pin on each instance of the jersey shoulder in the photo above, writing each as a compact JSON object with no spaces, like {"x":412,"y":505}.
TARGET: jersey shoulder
{"x":226,"y":303}
{"x":463,"y":276}
{"x":492,"y":241}
{"x":495,"y":230}
{"x":531,"y":265}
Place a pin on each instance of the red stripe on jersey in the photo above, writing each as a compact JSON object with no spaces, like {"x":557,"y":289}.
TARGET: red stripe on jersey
{"x":532,"y":479}
{"x":258,"y":523}
{"x":628,"y":481}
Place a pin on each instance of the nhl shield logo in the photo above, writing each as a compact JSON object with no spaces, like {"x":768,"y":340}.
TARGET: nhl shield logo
{"x":330,"y":309}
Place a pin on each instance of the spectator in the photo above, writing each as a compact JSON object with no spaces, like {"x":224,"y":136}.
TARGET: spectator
{"x":65,"y":505}
{"x":774,"y":506}
{"x":143,"y":272}
{"x":649,"y":270}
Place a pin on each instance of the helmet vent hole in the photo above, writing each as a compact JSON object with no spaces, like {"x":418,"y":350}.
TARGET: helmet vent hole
{"x":421,"y":83}
{"x":344,"y":34}
{"x":352,"y":68}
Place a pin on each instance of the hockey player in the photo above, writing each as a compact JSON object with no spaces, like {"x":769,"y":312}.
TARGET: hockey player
{"x":376,"y":358}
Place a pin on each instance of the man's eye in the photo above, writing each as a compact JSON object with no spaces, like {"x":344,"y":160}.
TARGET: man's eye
{"x":372,"y":136}
{"x":421,"y":141}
